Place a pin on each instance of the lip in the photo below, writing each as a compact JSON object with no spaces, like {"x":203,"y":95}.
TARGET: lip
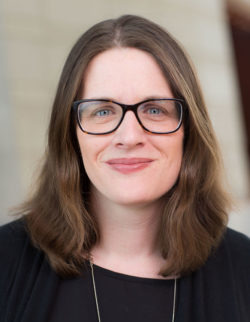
{"x":129,"y":165}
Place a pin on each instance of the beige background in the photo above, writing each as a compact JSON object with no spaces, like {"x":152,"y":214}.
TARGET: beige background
{"x":35,"y":38}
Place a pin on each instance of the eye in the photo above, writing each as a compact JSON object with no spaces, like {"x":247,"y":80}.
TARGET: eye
{"x":103,"y":112}
{"x":154,"y":110}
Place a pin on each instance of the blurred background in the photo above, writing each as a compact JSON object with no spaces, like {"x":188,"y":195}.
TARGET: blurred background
{"x":36,"y":36}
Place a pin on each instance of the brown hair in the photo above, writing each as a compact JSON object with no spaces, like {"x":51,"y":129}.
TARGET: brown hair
{"x":195,"y":212}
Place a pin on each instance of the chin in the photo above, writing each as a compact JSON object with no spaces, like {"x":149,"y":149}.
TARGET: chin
{"x":135,"y":200}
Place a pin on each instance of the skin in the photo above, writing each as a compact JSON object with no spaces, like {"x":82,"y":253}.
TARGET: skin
{"x":127,"y":203}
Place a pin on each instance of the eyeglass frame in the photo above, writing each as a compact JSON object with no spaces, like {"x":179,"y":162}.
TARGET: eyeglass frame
{"x":125,"y":109}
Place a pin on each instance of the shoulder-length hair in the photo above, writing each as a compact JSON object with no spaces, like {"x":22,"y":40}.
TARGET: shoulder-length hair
{"x":195,"y":211}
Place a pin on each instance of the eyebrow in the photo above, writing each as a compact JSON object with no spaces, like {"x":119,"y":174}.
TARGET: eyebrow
{"x":157,"y":97}
{"x":142,"y":99}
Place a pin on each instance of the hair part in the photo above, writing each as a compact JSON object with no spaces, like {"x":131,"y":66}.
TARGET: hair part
{"x":195,"y":212}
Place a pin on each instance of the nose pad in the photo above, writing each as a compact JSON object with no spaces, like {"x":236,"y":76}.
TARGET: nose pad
{"x":130,"y":131}
{"x":130,"y":120}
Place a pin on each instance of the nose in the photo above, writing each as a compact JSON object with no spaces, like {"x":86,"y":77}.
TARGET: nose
{"x":129,"y":133}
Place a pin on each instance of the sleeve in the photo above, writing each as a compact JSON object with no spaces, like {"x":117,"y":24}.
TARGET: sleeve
{"x":239,"y":250}
{"x":12,"y":240}
{"x":27,"y":282}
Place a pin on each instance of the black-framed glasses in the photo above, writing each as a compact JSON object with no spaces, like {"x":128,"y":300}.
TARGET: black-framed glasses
{"x":101,"y":116}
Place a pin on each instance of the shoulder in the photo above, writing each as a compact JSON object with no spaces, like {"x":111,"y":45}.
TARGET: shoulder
{"x":24,"y":271}
{"x":15,"y":245}
{"x":238,"y":243}
{"x":237,"y":238}
{"x":13,"y":230}
{"x":238,"y":247}
{"x":232,"y":258}
{"x":12,"y":235}
{"x":18,"y":257}
{"x":12,"y":239}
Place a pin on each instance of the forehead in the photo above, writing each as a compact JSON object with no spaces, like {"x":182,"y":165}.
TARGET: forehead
{"x":124,"y":73}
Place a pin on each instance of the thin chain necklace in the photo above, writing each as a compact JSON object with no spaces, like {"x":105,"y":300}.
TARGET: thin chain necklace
{"x":96,"y":299}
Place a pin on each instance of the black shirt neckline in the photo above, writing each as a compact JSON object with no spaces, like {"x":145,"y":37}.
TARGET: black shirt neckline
{"x":130,"y":278}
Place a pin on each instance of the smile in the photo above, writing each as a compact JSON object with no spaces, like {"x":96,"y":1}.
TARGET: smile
{"x":129,"y":165}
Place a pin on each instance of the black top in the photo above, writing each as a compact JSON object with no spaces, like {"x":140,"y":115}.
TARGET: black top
{"x":121,"y":298}
{"x":30,"y":290}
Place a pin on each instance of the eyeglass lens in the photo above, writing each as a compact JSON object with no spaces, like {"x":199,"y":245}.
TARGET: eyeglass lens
{"x":159,"y":116}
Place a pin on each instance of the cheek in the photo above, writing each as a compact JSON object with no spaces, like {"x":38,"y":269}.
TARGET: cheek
{"x":91,"y":148}
{"x":87,"y":154}
{"x":172,"y":146}
{"x":173,"y":152}
{"x":85,"y":147}
{"x":178,"y":153}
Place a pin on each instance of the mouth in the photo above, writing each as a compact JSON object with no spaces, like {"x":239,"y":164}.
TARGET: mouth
{"x":129,"y":165}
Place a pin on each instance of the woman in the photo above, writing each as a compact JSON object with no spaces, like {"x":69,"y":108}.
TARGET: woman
{"x":128,"y":222}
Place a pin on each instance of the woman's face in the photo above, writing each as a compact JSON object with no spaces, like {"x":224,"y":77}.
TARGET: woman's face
{"x":129,"y":166}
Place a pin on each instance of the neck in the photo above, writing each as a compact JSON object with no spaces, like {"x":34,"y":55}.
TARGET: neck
{"x":127,"y":237}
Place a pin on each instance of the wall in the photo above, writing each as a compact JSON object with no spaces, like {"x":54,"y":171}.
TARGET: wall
{"x":35,"y":38}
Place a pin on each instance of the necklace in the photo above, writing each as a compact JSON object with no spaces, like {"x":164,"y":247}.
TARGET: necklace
{"x":96,"y":299}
